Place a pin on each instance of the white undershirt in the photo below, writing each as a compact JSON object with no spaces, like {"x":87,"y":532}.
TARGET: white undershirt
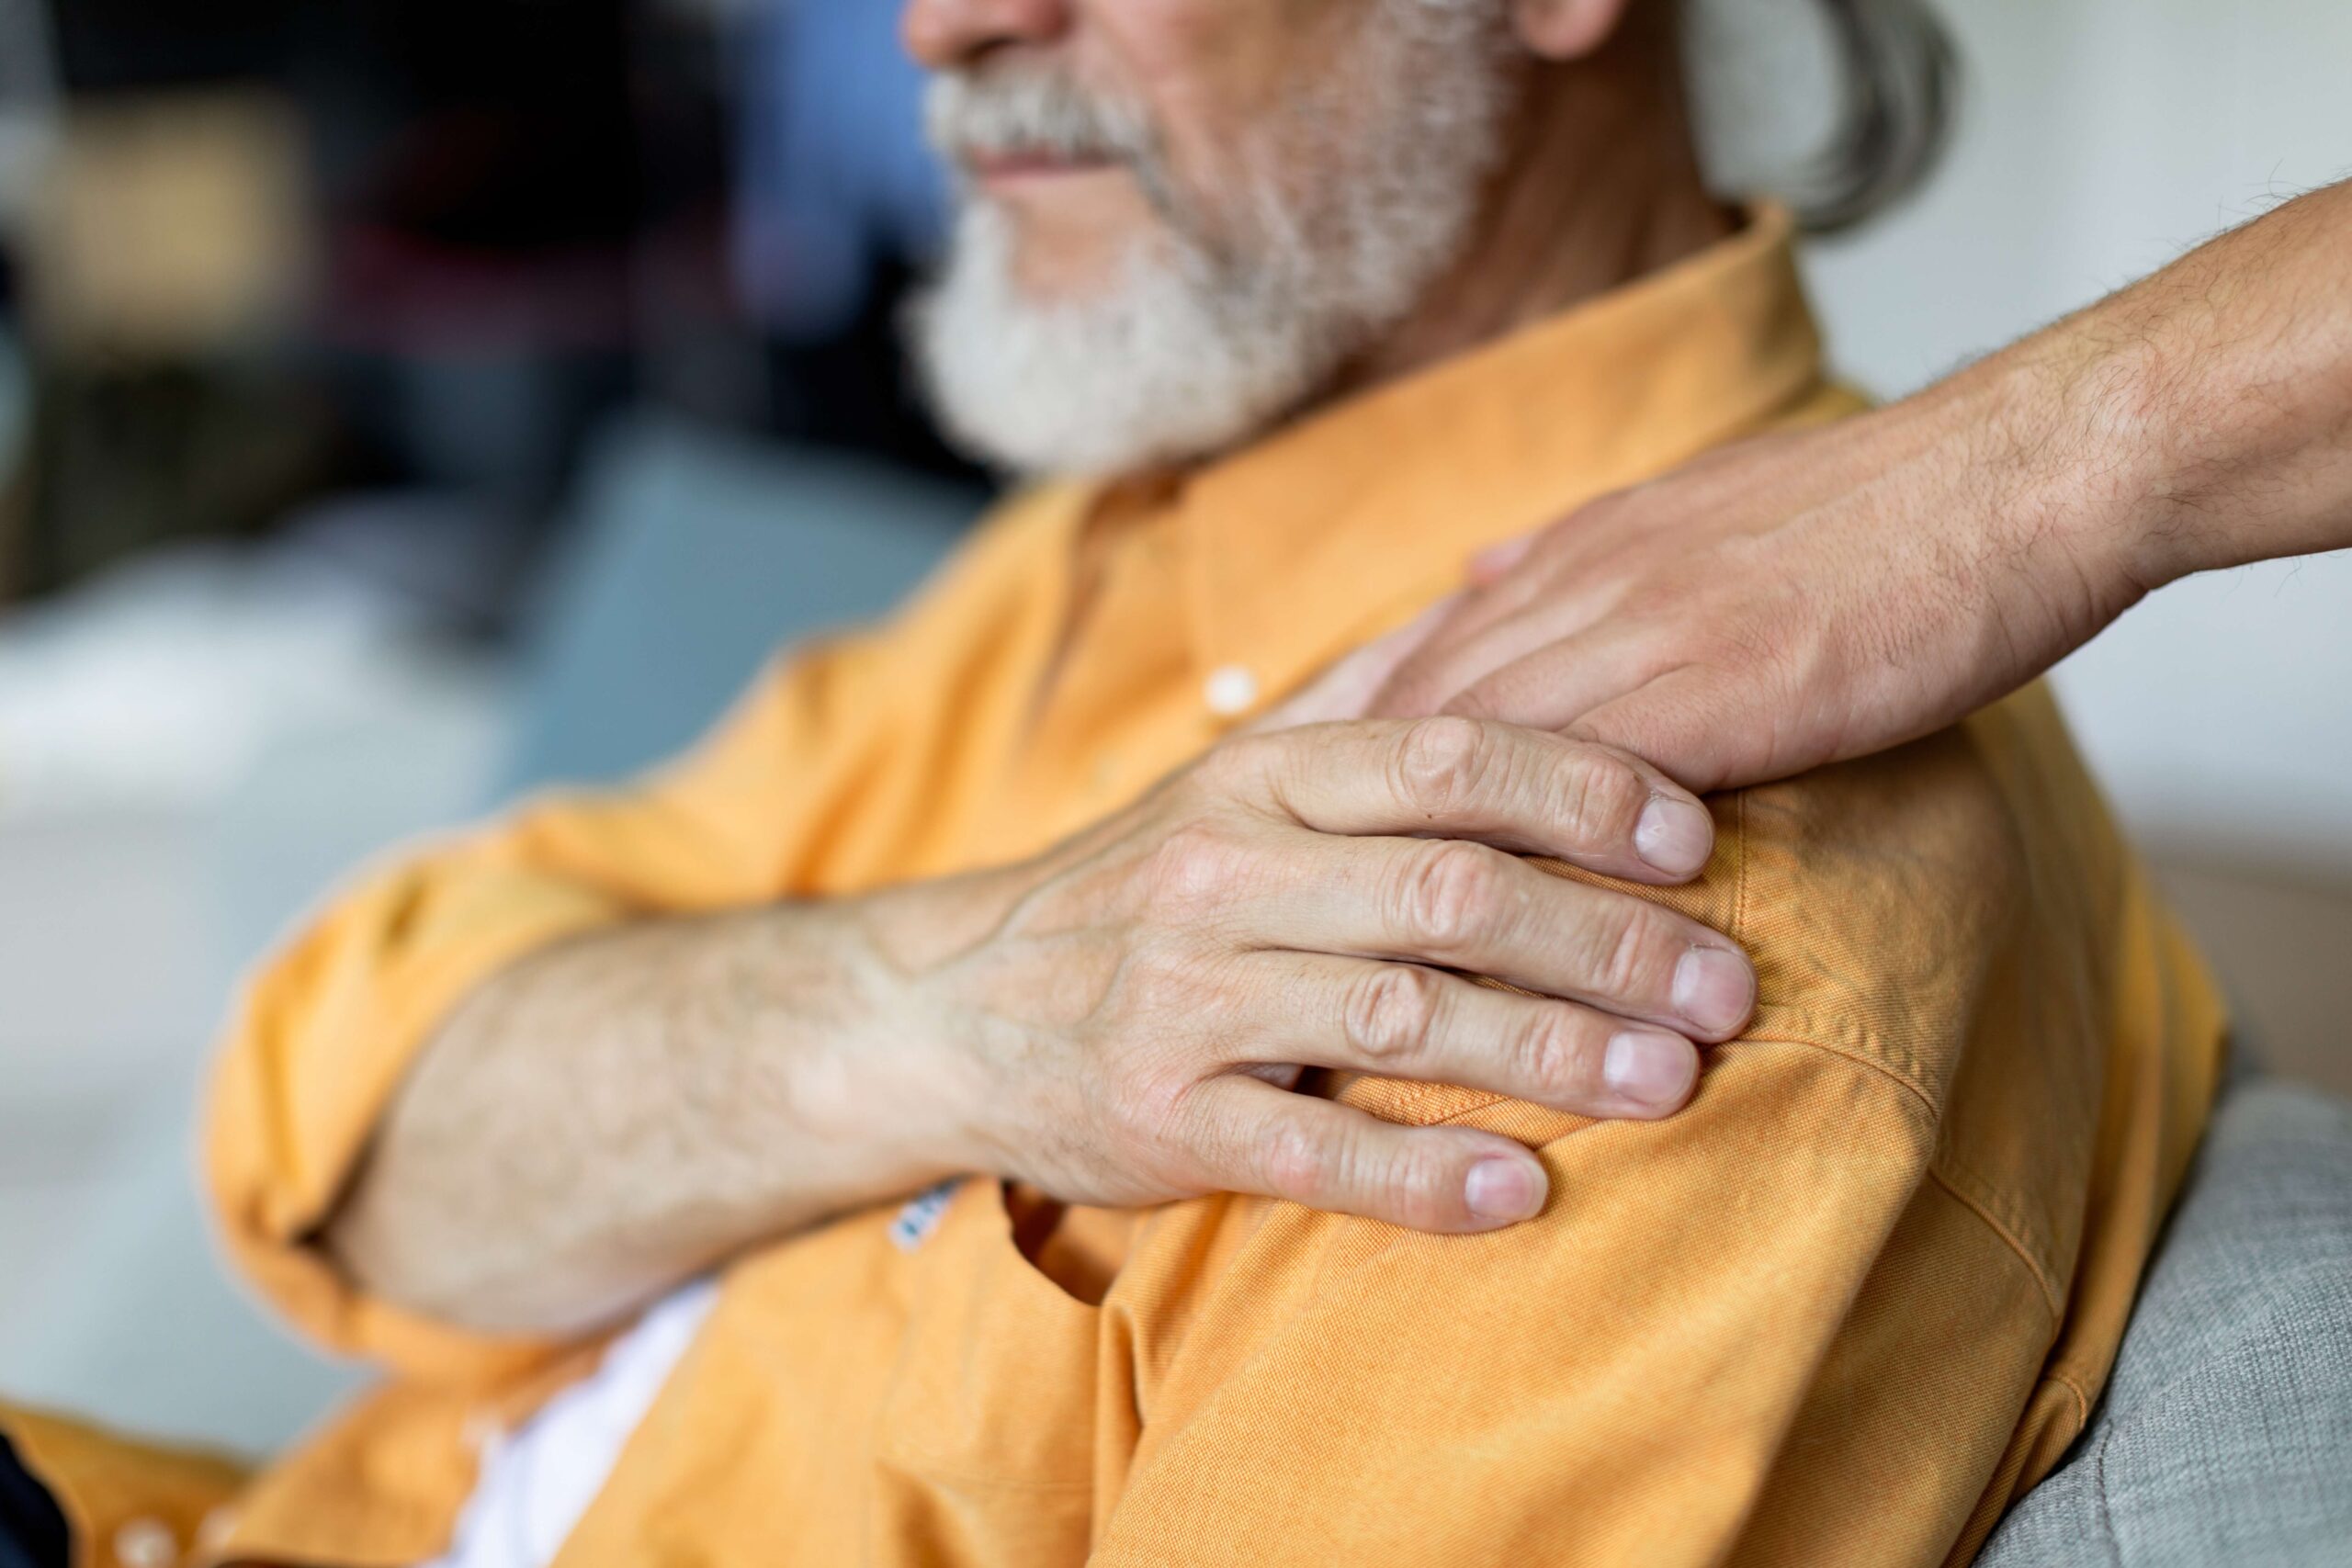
{"x":536,"y":1481}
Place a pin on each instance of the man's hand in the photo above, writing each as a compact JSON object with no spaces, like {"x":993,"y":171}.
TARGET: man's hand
{"x":1118,"y":1022}
{"x":1812,"y":597}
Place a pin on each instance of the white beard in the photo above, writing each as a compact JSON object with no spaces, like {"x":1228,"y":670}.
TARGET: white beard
{"x":1196,"y":347}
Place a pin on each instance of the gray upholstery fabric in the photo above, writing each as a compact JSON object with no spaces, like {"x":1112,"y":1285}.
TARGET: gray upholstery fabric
{"x":2225,"y":1436}
{"x":697,"y":557}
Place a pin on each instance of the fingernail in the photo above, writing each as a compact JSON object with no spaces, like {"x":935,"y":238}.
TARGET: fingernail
{"x":1649,"y":1068}
{"x":1714,"y":988}
{"x":1503,"y":1190}
{"x":1497,"y":559}
{"x":1674,"y":837}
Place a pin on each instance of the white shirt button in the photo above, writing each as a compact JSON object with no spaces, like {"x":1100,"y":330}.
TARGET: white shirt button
{"x":1231,"y":691}
{"x":146,"y":1543}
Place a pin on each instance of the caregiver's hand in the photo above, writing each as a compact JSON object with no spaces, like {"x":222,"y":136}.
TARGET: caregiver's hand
{"x":1820,"y":595}
{"x":1770,"y":609}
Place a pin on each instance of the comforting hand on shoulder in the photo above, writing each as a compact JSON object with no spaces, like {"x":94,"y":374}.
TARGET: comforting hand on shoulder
{"x":1811,"y":597}
{"x":1778,"y":605}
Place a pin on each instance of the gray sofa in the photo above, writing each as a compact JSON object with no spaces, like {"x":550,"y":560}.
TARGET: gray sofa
{"x":2225,"y":1434}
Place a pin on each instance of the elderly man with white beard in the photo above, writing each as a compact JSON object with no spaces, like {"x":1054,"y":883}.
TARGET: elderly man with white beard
{"x":1044,"y":1083}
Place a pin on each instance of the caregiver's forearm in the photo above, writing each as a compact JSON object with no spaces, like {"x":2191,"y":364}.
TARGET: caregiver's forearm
{"x":2222,"y":388}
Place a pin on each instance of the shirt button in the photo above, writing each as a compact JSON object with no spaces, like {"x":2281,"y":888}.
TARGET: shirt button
{"x":146,"y":1543}
{"x":1231,"y":691}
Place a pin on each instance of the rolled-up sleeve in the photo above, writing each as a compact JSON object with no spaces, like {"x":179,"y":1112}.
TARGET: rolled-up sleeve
{"x":330,"y":1026}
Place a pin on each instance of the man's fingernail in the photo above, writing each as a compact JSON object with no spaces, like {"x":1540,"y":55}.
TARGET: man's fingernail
{"x":1674,"y":837}
{"x":1503,"y":1190}
{"x":1650,"y":1068}
{"x":1714,"y":988}
{"x":1496,"y":559}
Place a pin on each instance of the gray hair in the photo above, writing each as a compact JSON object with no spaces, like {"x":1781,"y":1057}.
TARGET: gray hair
{"x":1892,"y":92}
{"x":1901,"y":76}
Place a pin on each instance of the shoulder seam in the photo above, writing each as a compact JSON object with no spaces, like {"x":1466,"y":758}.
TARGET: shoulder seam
{"x":2049,"y":1287}
{"x":2041,"y":1275}
{"x":1926,"y":1104}
{"x":1936,"y":1172}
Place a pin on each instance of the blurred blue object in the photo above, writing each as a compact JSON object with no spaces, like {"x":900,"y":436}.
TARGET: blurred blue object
{"x":834,"y":175}
{"x":695,"y":556}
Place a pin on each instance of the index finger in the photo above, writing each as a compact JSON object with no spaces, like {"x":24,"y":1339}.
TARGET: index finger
{"x":1252,"y":1137}
{"x":1515,"y":789}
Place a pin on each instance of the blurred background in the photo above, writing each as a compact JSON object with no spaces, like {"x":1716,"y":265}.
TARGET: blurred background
{"x":404,"y":403}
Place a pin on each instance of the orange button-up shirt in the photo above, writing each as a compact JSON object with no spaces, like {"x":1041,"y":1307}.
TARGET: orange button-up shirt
{"x":1844,"y":1309}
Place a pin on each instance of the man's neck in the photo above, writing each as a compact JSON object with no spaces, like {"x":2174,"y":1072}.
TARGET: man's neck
{"x":1600,"y":185}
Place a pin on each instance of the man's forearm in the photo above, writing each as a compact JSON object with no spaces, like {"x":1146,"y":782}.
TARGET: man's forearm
{"x":616,"y":1114}
{"x":2218,"y":397}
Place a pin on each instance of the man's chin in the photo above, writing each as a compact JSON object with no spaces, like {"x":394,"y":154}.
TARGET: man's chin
{"x":1060,"y":285}
{"x":1151,"y":366}
{"x":1067,"y":244}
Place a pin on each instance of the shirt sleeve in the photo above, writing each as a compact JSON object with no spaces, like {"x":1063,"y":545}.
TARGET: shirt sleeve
{"x":1663,"y":1368}
{"x":329,"y":1027}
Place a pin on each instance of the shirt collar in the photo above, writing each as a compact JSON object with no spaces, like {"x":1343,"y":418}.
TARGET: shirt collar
{"x":1297,"y":547}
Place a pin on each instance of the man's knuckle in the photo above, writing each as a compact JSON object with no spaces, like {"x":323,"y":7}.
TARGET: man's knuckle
{"x":1439,"y":764}
{"x":1196,"y":866}
{"x":1392,"y":1012}
{"x":1552,"y":1050}
{"x":1298,"y":1164}
{"x":1629,"y":960}
{"x":1155,"y":1110}
{"x":1600,"y":796}
{"x":1446,"y":894}
{"x":1421,"y":1187}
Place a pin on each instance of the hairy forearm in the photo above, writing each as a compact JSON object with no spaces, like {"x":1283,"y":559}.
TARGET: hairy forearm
{"x":617,"y":1114}
{"x":2212,"y":402}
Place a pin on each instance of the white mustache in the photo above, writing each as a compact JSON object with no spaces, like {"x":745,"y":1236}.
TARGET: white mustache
{"x":968,"y":115}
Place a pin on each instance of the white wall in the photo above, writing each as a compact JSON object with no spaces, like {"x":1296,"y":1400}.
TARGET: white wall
{"x":2101,"y":138}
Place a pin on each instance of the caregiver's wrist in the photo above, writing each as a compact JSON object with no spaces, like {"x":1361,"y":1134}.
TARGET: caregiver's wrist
{"x":2092,"y":503}
{"x":2037,"y":461}
{"x":2215,"y":395}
